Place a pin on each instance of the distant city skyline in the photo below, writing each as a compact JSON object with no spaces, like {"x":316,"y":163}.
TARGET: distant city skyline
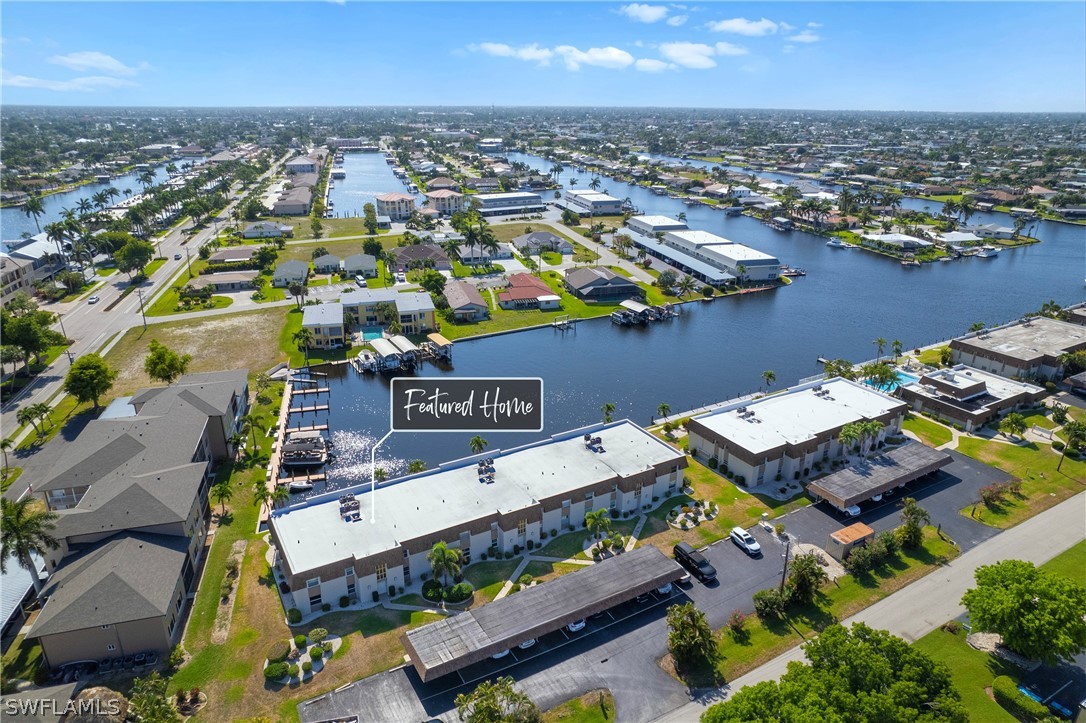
{"x":958,"y":57}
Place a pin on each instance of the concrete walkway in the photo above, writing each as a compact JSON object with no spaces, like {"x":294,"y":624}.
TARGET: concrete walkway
{"x":916,"y":610}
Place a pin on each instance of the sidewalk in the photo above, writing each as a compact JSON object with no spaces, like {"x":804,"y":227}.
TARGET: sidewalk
{"x":931,"y":601}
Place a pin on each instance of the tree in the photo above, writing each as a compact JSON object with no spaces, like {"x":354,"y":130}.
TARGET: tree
{"x":805,"y":576}
{"x":433,"y":281}
{"x":318,"y":252}
{"x":149,"y":703}
{"x":895,"y":347}
{"x":851,"y":675}
{"x":689,"y":637}
{"x":26,"y":528}
{"x":373,"y":247}
{"x":34,"y":209}
{"x":299,"y":291}
{"x":608,"y":410}
{"x":5,"y":444}
{"x":304,"y":339}
{"x":849,"y":435}
{"x":30,"y":332}
{"x":839,"y":368}
{"x":880,"y":344}
{"x":477,"y":444}
{"x":221,"y":493}
{"x":497,"y":702}
{"x":261,"y":494}
{"x":316,"y":227}
{"x":133,"y":257}
{"x":666,"y":280}
{"x":444,"y":562}
{"x":27,"y":415}
{"x":976,"y":326}
{"x":369,"y":218}
{"x":415,"y":466}
{"x":598,"y":522}
{"x":664,"y":409}
{"x":89,"y":378}
{"x":279,"y":495}
{"x":685,"y":285}
{"x":1013,"y":425}
{"x":1039,"y":614}
{"x":768,"y":377}
{"x":913,"y":519}
{"x":946,"y":355}
{"x":1076,"y":439}
{"x":164,"y":364}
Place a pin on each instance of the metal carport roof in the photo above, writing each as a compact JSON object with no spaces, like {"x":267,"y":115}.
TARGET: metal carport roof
{"x":881,"y":473}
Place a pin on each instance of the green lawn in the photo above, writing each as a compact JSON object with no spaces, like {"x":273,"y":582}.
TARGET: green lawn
{"x":972,"y":670}
{"x":1039,"y":419}
{"x":571,"y":544}
{"x":21,"y":660}
{"x":6,"y":481}
{"x":1035,"y":465}
{"x":931,"y":357}
{"x":929,"y":431}
{"x":595,"y":706}
{"x":1071,"y":563}
{"x":543,"y":571}
{"x":153,"y":266}
{"x":57,"y":419}
{"x":297,"y":357}
{"x":488,"y":577}
{"x":552,"y":258}
{"x":167,"y":303}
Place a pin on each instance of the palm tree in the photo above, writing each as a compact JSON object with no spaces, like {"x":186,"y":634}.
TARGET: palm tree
{"x":880,"y":344}
{"x":5,"y":444}
{"x":965,"y":208}
{"x":769,"y":376}
{"x":1076,"y":438}
{"x":594,"y":184}
{"x":608,"y":410}
{"x":279,"y":495}
{"x":477,"y":444}
{"x":304,"y":339}
{"x":380,"y":475}
{"x":681,"y":216}
{"x":26,"y":415}
{"x":896,"y":347}
{"x":869,"y":430}
{"x":1014,"y":424}
{"x":685,"y":285}
{"x":146,"y":179}
{"x":415,"y":466}
{"x":598,"y":522}
{"x":664,"y":409}
{"x":849,"y":436}
{"x":444,"y":562}
{"x":26,"y":527}
{"x":34,"y":209}
{"x":221,"y":493}
{"x":249,"y":423}
{"x":976,"y":326}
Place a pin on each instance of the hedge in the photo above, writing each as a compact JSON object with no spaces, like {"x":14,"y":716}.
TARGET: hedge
{"x":459,"y":592}
{"x":294,"y":615}
{"x":431,"y":590}
{"x":299,"y":640}
{"x":276,"y":671}
{"x":278,"y":651}
{"x":1006,"y":693}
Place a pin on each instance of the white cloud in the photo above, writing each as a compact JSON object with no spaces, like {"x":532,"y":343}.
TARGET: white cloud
{"x":651,"y":65}
{"x":608,"y":57}
{"x":788,"y":49}
{"x":689,"y":55}
{"x":814,"y":25}
{"x":87,"y":84}
{"x":532,"y":53}
{"x":742,"y":26}
{"x":786,"y":27}
{"x":677,"y":20}
{"x":729,"y":49}
{"x":644,"y":13}
{"x":805,"y":37}
{"x":85,"y":60}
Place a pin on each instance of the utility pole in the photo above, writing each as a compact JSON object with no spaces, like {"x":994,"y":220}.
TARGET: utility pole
{"x":139,"y":292}
{"x":188,"y":261}
{"x":784,"y":571}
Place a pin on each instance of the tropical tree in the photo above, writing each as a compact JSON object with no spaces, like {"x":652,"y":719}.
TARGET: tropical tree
{"x":477,"y":444}
{"x":839,"y":368}
{"x":249,"y":422}
{"x":1039,"y":614}
{"x":5,"y":444}
{"x":608,"y":410}
{"x":34,"y":209}
{"x":686,"y":285}
{"x":977,"y":326}
{"x":681,"y":216}
{"x":690,"y":640}
{"x":895,"y":347}
{"x":664,"y":409}
{"x":497,"y":702}
{"x":415,"y":466}
{"x":1013,"y":425}
{"x":133,"y":257}
{"x":26,"y":528}
{"x":1075,"y":431}
{"x":805,"y":576}
{"x":89,"y":377}
{"x":849,"y":436}
{"x":149,"y":702}
{"x":304,"y":339}
{"x":279,"y":495}
{"x":299,"y":291}
{"x":598,"y":522}
{"x":444,"y":562}
{"x":768,"y":377}
{"x":28,"y":415}
{"x":869,"y":432}
{"x":880,"y":344}
{"x":164,"y":364}
{"x":221,"y":492}
{"x":913,"y":519}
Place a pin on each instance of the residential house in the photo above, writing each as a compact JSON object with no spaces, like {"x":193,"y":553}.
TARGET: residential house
{"x":327,"y":264}
{"x":326,"y":323}
{"x":474,"y":254}
{"x":397,"y":206}
{"x":534,"y":243}
{"x":486,"y":184}
{"x":226,"y":281}
{"x":290,"y":272}
{"x":230,"y":255}
{"x":302,"y":164}
{"x":416,"y":312}
{"x":363,"y":265}
{"x":898,"y":240}
{"x":403,"y":258}
{"x":15,"y":275}
{"x":465,"y":301}
{"x":967,"y":396}
{"x":446,"y":201}
{"x":442,"y":183}
{"x":990,"y":230}
{"x":525,"y":291}
{"x":267,"y":229}
{"x":601,"y":285}
{"x":294,"y":202}
{"x":369,"y":307}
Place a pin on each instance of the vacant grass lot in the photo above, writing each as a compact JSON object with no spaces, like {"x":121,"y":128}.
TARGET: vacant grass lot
{"x":595,"y":706}
{"x":1071,"y":563}
{"x":972,"y":670}
{"x":1035,"y":465}
{"x":168,"y":303}
{"x":929,"y":431}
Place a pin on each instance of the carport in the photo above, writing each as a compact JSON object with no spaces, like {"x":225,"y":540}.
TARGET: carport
{"x":880,"y":474}
{"x":454,"y":643}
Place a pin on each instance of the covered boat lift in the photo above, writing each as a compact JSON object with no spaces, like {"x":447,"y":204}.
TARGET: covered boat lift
{"x":408,"y":351}
{"x":438,"y":346}
{"x":388,"y":356}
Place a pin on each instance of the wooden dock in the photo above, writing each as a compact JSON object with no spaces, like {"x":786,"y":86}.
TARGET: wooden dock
{"x":306,"y":478}
{"x":311,"y":428}
{"x":318,"y":390}
{"x":313,"y":408}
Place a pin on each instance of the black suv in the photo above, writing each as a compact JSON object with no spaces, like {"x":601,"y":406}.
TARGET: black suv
{"x":695,"y":562}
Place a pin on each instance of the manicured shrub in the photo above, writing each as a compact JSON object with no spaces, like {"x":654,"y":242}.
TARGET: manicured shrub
{"x":431,"y":590}
{"x":516,"y":588}
{"x":554,"y":532}
{"x":284,"y":588}
{"x":1057,"y":445}
{"x":531,"y":544}
{"x":614,"y":513}
{"x":952,"y":627}
{"x":316,"y":652}
{"x":508,"y":555}
{"x":344,"y":601}
{"x":542,"y":534}
{"x":737,"y":621}
{"x":525,"y":579}
{"x":226,"y":588}
{"x":292,"y":671}
{"x":459,"y":592}
{"x":769,"y":604}
{"x":327,"y":645}
{"x":232,"y":566}
{"x":307,"y":667}
{"x":278,"y":651}
{"x":712,"y":463}
{"x":299,"y":640}
{"x":317,"y":635}
{"x":276,"y":671}
{"x":294,"y":616}
{"x":1006,"y":693}
{"x":779,"y":528}
{"x":516,"y":549}
{"x":326,"y":607}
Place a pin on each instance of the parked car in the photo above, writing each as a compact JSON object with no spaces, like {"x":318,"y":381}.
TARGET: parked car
{"x":664,"y":589}
{"x":576,"y":626}
{"x":360,"y":280}
{"x":527,"y":644}
{"x":695,"y":562}
{"x":685,"y":579}
{"x":853,"y":511}
{"x":499,"y":656}
{"x":745,"y":541}
{"x":93,"y":300}
{"x":642,"y":598}
{"x":177,"y":257}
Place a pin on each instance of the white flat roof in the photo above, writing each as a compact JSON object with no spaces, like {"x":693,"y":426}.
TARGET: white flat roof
{"x":696,"y":238}
{"x":526,"y":195}
{"x":738,"y":253}
{"x":962,"y":377}
{"x":800,"y":414}
{"x":326,"y":314}
{"x":1042,"y":336}
{"x":656,"y":222}
{"x":313,"y":534}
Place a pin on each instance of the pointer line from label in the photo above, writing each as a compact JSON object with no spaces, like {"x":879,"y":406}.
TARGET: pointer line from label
{"x":373,"y":476}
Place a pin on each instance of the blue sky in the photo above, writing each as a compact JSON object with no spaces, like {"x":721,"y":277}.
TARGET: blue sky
{"x":847,"y":55}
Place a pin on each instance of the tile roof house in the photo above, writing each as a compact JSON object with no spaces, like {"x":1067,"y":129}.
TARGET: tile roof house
{"x":592,"y":284}
{"x":403,"y":258}
{"x":465,"y":301}
{"x":527,"y":292}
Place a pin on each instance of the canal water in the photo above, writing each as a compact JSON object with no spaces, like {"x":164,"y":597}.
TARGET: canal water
{"x":368,"y":176}
{"x":13,"y":221}
{"x":718,"y":350}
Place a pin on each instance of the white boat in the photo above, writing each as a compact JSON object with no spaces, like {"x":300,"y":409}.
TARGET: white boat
{"x":987,"y":252}
{"x":300,"y":486}
{"x":837,"y":243}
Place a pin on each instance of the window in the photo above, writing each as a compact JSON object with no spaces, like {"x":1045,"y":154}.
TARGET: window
{"x":521,"y":527}
{"x":382,"y":572}
{"x":589,"y":495}
{"x":313,"y":582}
{"x":637,"y":490}
{"x":105,"y":627}
{"x":350,"y":589}
{"x":111,"y":647}
{"x":348,"y":572}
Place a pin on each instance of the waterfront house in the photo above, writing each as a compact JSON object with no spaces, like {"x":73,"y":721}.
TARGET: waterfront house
{"x":542,"y":487}
{"x":363,"y":265}
{"x":294,"y":202}
{"x":445,"y":201}
{"x":483,"y":185}
{"x":959,"y":238}
{"x":534,"y":243}
{"x":374,"y":307}
{"x":465,"y":301}
{"x":525,"y":291}
{"x":403,"y":258}
{"x":416,"y":312}
{"x":327,"y":264}
{"x":506,"y":204}
{"x":990,"y":230}
{"x":397,"y":206}
{"x":267,"y":229}
{"x":898,"y":240}
{"x":442,"y":183}
{"x":326,"y":322}
{"x":302,"y":164}
{"x":290,"y":272}
{"x":1029,"y":349}
{"x":601,"y":285}
{"x":969,"y":397}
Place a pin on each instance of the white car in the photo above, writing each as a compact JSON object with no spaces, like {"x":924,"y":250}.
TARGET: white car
{"x":576,"y":626}
{"x":93,"y":300}
{"x":745,"y":541}
{"x":877,"y":498}
{"x":664,"y":589}
{"x":853,"y":511}
{"x":527,"y":644}
{"x":499,"y":656}
{"x":401,"y":278}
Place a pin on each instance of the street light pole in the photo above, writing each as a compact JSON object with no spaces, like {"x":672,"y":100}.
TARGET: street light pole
{"x":188,"y":261}
{"x":784,"y":572}
{"x":139,"y":292}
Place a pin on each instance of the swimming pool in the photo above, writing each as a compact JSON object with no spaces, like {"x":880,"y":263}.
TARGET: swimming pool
{"x":372,"y":332}
{"x":903,"y":378}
